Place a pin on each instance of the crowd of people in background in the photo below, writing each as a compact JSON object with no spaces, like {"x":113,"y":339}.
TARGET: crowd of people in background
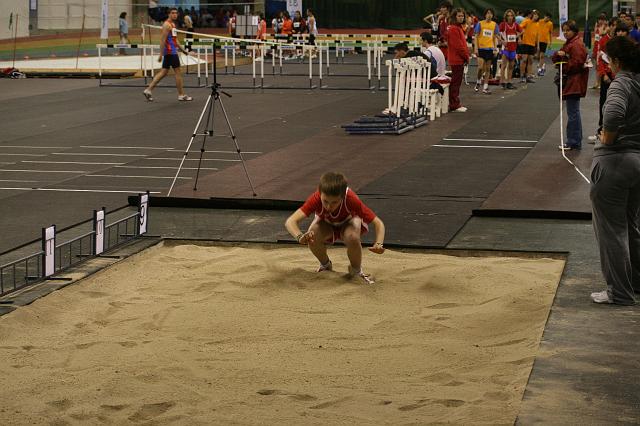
{"x":189,"y":19}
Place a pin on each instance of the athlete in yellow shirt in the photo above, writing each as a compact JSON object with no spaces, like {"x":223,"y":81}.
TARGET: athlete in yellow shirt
{"x":485,"y":48}
{"x":545,"y":30}
{"x":528,"y":46}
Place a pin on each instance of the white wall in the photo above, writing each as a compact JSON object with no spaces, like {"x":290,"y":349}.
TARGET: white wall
{"x":17,"y":7}
{"x":67,"y":14}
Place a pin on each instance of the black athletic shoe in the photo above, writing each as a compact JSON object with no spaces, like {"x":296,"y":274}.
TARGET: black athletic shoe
{"x":510,"y":86}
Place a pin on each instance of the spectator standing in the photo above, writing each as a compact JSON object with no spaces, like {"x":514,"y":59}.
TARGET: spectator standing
{"x":545,"y":31}
{"x":287,"y":24}
{"x":276,"y":23}
{"x":123,"y":28}
{"x":261,"y":34}
{"x":574,"y":55}
{"x":528,"y":46}
{"x":444,"y":17}
{"x":312,"y":27}
{"x":458,"y":57}
{"x":188,"y":23}
{"x":635,"y":32}
{"x":231,"y":25}
{"x":299,"y":24}
{"x":509,"y":32}
{"x":615,"y":178}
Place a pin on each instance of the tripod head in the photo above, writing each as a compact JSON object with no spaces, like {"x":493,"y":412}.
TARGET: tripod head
{"x":215,"y":90}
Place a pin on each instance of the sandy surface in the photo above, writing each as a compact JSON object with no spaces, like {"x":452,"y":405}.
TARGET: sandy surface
{"x":251,"y":335}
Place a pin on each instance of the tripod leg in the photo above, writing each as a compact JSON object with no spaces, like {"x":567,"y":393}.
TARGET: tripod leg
{"x":235,"y":141}
{"x":186,"y":152}
{"x":204,"y":136}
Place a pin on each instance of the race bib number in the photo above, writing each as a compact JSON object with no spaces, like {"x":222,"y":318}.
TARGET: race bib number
{"x":597,"y":37}
{"x":296,"y":25}
{"x":174,"y":32}
{"x":487,"y":33}
{"x":511,"y":38}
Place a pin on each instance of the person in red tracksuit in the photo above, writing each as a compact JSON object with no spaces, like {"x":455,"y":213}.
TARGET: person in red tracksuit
{"x":603,"y":70}
{"x":458,"y":57}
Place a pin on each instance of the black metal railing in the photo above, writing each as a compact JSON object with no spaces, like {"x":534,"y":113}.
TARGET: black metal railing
{"x":20,"y":273}
{"x":122,"y":231}
{"x":30,"y":269}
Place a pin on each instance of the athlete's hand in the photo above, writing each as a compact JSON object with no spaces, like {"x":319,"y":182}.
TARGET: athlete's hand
{"x":160,"y":58}
{"x":377,"y":248}
{"x":307,"y":238}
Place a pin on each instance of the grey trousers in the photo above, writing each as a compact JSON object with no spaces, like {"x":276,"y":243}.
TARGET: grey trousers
{"x":615,"y":199}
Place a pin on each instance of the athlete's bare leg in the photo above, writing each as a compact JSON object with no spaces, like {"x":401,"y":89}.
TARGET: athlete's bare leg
{"x":351,"y":238}
{"x":321,"y":231}
{"x":504,"y":72}
{"x":179,"y":81}
{"x":161,"y":74}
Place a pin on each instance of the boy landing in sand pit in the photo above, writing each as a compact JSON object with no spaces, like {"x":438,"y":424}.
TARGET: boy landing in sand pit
{"x":339,"y":215}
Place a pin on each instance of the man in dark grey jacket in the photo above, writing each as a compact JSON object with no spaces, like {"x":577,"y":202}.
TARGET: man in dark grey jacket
{"x":615,"y":179}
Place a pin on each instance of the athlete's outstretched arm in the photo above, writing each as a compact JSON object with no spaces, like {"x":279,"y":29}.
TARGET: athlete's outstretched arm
{"x":294,"y":229}
{"x":380,"y":231}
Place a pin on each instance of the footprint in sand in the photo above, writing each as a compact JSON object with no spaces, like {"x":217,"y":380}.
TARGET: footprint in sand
{"x":424,"y":402}
{"x":507,"y":343}
{"x":443,"y":306}
{"x":60,"y":404}
{"x":296,"y":396}
{"x":412,"y":407}
{"x":86,"y":345}
{"x":116,"y":407}
{"x":329,"y":403}
{"x":149,"y":411}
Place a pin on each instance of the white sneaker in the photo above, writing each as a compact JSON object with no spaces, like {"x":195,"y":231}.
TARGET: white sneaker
{"x":366,"y":278}
{"x":185,"y":98}
{"x":147,"y":95}
{"x":461,"y":109}
{"x":601,"y":297}
{"x":326,"y":267}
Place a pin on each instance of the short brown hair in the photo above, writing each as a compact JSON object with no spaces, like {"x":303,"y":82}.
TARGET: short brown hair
{"x":333,"y":184}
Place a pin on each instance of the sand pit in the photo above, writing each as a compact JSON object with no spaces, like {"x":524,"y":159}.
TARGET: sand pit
{"x":251,"y":335}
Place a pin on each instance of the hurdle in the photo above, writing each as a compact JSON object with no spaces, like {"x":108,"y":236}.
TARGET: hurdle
{"x":148,"y":53}
{"x":409,"y":100}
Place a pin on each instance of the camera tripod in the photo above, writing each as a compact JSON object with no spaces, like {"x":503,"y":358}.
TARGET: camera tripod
{"x":208,"y":130}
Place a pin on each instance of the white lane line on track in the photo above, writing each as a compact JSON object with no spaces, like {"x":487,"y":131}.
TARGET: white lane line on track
{"x":138,"y":177}
{"x":483,"y":146}
{"x":43,"y":171}
{"x":34,"y":147}
{"x":222,"y":152}
{"x":490,"y":140}
{"x":18,"y":180}
{"x":79,"y":190}
{"x":164,"y":167}
{"x":94,"y":154}
{"x":192,"y":159}
{"x":164,"y":148}
{"x":2,"y":154}
{"x":7,"y":162}
{"x":69,"y":162}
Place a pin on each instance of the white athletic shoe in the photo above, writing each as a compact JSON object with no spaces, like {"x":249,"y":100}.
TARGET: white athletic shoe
{"x":461,"y":109}
{"x":326,"y":267}
{"x":366,"y":278}
{"x":185,"y":98}
{"x":601,"y":297}
{"x":147,"y":95}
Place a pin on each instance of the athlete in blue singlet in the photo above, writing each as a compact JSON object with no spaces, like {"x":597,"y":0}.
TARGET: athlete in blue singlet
{"x":169,"y":48}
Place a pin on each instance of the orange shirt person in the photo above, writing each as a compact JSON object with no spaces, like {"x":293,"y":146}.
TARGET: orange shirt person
{"x":287,"y":24}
